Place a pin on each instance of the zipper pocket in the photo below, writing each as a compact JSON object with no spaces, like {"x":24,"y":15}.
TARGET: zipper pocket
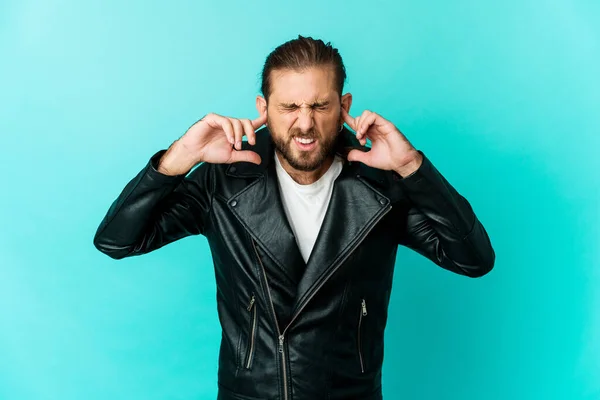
{"x":251,"y":333}
{"x":363,"y":313}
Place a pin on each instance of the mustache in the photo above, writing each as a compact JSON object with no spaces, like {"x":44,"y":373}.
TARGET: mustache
{"x":304,"y":135}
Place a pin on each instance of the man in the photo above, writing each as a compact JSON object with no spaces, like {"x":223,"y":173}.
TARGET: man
{"x":303,"y":222}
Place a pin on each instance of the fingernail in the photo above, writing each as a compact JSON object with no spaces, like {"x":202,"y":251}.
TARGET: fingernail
{"x":238,"y":145}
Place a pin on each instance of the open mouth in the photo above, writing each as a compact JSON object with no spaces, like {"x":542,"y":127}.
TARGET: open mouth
{"x":305,"y":143}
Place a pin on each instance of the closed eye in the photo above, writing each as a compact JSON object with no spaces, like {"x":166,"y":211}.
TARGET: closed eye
{"x":289,"y":107}
{"x":318,"y":106}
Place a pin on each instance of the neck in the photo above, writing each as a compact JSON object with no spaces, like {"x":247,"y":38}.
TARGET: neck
{"x":305,"y":177}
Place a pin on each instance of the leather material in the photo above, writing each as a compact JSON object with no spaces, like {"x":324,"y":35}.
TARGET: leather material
{"x":290,"y":329}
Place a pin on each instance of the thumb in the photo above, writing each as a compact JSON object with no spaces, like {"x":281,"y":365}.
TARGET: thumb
{"x":358,"y":155}
{"x":245,"y":156}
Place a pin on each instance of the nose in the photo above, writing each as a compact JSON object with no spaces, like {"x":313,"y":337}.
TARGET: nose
{"x":305,"y":119}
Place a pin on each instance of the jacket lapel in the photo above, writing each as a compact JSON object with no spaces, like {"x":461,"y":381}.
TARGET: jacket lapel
{"x":354,"y":208}
{"x":260,"y":209}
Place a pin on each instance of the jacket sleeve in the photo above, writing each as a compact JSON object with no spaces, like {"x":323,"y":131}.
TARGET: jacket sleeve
{"x":155,"y":209}
{"x":441,"y":225}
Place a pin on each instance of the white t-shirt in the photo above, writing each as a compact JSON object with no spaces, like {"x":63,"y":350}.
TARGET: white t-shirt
{"x":305,"y":205}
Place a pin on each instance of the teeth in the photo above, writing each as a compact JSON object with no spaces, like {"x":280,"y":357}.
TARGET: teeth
{"x":304,"y":141}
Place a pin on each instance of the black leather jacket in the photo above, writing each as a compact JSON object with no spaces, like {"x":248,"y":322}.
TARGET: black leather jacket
{"x":290,"y":329}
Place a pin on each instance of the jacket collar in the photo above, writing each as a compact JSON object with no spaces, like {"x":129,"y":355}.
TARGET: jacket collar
{"x":354,"y":207}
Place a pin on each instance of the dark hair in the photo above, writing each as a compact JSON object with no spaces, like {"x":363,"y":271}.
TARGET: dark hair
{"x":299,"y":54}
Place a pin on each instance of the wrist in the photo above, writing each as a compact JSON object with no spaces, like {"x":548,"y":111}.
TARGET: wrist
{"x":409,"y":167}
{"x":176,"y":160}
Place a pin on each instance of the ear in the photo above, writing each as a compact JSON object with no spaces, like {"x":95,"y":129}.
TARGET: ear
{"x":346,"y":103}
{"x":261,"y":106}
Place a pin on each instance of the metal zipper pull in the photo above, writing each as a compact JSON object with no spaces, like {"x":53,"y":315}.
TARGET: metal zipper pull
{"x":281,"y":344}
{"x":364,"y":307}
{"x":251,"y":303}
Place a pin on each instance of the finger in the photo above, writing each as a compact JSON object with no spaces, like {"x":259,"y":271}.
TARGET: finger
{"x":260,"y":121}
{"x":366,"y":122}
{"x":238,"y":130}
{"x":360,"y":156}
{"x":348,"y":119}
{"x":359,"y":126}
{"x":362,"y":140}
{"x":249,"y":130}
{"x":357,"y":123}
{"x":245,"y":156}
{"x":225,"y":124}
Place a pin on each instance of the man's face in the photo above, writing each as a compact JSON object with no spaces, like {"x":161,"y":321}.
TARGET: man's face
{"x":303,"y":115}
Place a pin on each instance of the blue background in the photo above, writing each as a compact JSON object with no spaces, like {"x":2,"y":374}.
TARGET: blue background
{"x":502,"y":96}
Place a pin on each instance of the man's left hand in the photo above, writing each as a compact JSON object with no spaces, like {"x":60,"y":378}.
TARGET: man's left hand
{"x":390,"y":149}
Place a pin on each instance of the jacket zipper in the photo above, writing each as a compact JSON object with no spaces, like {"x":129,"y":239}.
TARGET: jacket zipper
{"x":363,"y":313}
{"x":281,"y":334}
{"x":337,"y":266}
{"x":251,"y":307}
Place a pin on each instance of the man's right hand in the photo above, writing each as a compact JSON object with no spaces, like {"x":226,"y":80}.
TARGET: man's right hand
{"x":212,"y":139}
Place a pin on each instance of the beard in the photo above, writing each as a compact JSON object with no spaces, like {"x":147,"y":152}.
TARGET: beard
{"x":304,"y":160}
